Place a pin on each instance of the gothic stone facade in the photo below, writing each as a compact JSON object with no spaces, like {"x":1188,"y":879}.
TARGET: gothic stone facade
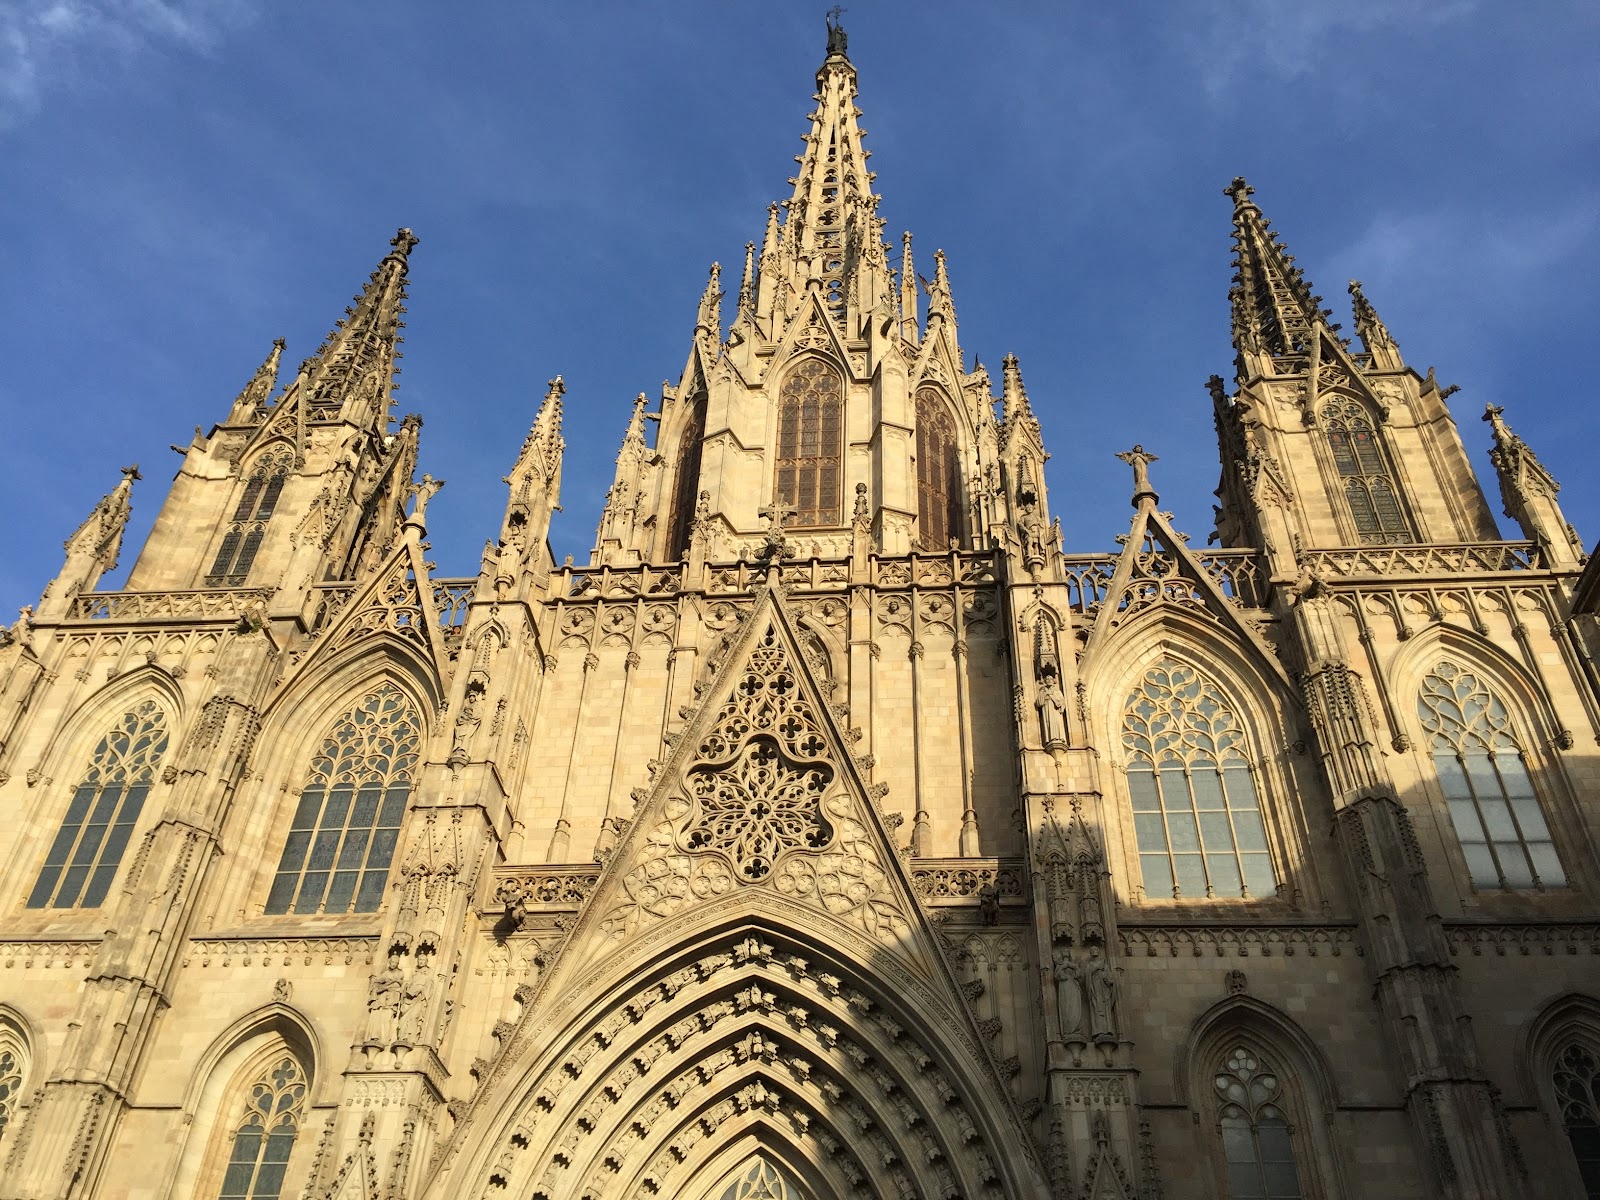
{"x":832,"y":833}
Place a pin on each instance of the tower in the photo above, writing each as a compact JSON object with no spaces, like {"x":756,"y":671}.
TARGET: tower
{"x":832,"y":832}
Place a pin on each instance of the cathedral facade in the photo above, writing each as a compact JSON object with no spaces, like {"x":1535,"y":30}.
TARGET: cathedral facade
{"x":832,"y":832}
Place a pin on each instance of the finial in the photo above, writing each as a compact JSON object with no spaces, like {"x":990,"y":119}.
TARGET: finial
{"x":1240,"y":191}
{"x":404,"y":242}
{"x":838,"y":42}
{"x":132,"y":472}
{"x":1493,"y":413}
{"x":747,"y":284}
{"x":422,"y":492}
{"x":557,"y":389}
{"x":1140,"y":459}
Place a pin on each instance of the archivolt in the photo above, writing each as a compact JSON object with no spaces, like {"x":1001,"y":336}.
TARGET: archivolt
{"x":743,"y":1030}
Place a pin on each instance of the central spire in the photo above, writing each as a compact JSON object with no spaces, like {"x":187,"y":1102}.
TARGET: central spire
{"x":831,"y":226}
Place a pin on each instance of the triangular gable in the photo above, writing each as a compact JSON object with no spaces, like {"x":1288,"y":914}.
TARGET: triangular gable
{"x":939,"y":361}
{"x":1105,"y":1178}
{"x":397,"y":599}
{"x":1336,"y":368}
{"x":812,"y":329}
{"x":760,"y":792}
{"x":1156,"y":568}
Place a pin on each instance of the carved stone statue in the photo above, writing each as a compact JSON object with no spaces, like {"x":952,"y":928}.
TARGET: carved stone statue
{"x":413,"y":1003}
{"x":384,"y":993}
{"x":989,"y":904}
{"x":1058,"y":882}
{"x":1089,"y":919}
{"x":1101,"y":985}
{"x":1069,"y":996}
{"x":1052,"y":705}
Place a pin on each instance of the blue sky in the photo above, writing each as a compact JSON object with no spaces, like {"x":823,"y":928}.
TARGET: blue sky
{"x":186,"y":179}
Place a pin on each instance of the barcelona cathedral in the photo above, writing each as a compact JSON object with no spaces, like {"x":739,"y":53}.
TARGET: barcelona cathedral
{"x":831,"y":832}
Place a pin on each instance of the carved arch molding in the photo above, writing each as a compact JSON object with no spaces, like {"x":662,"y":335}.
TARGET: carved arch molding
{"x":747,"y":1041}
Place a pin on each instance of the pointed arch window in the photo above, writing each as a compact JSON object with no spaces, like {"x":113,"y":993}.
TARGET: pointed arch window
{"x":1364,"y":474}
{"x":761,"y":1181}
{"x":938,"y":473}
{"x":88,"y":848}
{"x":257,"y":503}
{"x":1495,"y":811}
{"x":686,"y":487}
{"x":348,"y":819}
{"x":1196,"y":814}
{"x":1257,"y":1141}
{"x":10,"y":1085}
{"x":811,"y":443}
{"x":274,"y":1110}
{"x":1577,"y":1084}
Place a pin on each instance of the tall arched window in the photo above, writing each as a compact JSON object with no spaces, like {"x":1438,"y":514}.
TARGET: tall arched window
{"x":1577,"y":1083}
{"x":348,"y":819}
{"x":1257,"y":1141}
{"x":686,"y":487}
{"x":938,"y":473}
{"x":1493,"y":806}
{"x":1364,"y":474}
{"x":1196,"y":815}
{"x":257,"y":503}
{"x":811,"y":442}
{"x":88,"y":848}
{"x":274,"y":1110}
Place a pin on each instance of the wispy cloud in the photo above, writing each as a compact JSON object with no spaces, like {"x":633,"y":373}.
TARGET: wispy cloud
{"x":1234,"y":40}
{"x":55,"y":44}
{"x":1498,"y":250}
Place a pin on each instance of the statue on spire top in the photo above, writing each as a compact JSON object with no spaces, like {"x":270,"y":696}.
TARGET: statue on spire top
{"x":838,"y":41}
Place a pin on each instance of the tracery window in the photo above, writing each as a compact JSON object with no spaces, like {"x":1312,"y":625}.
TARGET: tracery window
{"x":1493,"y":806}
{"x":811,"y":443}
{"x":686,"y":487}
{"x":88,"y":848}
{"x":1577,"y":1082}
{"x":348,"y":819}
{"x":1364,"y":473}
{"x":255,"y":508}
{"x":938,"y":473}
{"x":264,"y":1137}
{"x":1196,"y":815}
{"x":1257,"y":1141}
{"x":10,"y":1086}
{"x":762,"y":1181}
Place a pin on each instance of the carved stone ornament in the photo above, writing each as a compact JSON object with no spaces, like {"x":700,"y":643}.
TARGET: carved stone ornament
{"x":761,"y":802}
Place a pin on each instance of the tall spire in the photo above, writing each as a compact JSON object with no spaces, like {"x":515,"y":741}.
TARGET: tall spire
{"x":1528,"y":492}
{"x":93,"y":548}
{"x":708,"y":321}
{"x":908,"y":290}
{"x":622,"y":501}
{"x":940,"y":300}
{"x":1274,"y":311}
{"x":353,"y":370}
{"x":1374,"y":334}
{"x":252,"y":401}
{"x":830,"y":231}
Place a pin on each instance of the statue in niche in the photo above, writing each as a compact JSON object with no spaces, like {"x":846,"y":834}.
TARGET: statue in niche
{"x":412,"y":1008}
{"x":1069,"y":996}
{"x":1101,"y":985}
{"x":1052,"y":705}
{"x":467,"y":721}
{"x":384,"y":993}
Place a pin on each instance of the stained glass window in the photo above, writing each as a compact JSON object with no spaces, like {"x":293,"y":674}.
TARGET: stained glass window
{"x":1577,"y":1080}
{"x":1492,"y":803}
{"x":1256,"y":1138}
{"x":88,"y":848}
{"x":686,"y":487}
{"x":1196,"y":816}
{"x":257,"y":503}
{"x":811,"y":443}
{"x":10,"y":1086}
{"x":264,"y":1138}
{"x":348,"y":819}
{"x":1369,"y":485}
{"x":762,"y":1181}
{"x":938,"y":473}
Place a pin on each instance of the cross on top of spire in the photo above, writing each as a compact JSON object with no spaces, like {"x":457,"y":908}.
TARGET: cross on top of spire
{"x":1240,"y":191}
